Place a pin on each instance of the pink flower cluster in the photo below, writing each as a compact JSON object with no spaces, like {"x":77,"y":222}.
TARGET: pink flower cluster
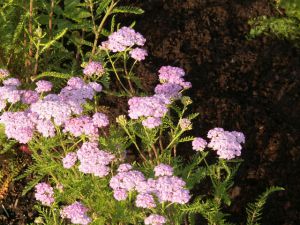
{"x":173,"y":75}
{"x":92,"y":160}
{"x":18,"y":125}
{"x":82,"y":125}
{"x":69,"y":160}
{"x":138,"y":54}
{"x":153,"y":107}
{"x":43,"y":86}
{"x":226,"y":143}
{"x":85,"y":125}
{"x":29,"y":97}
{"x":199,"y":144}
{"x":93,"y":68}
{"x":44,"y":193}
{"x":9,"y":92}
{"x":123,"y":38}
{"x":76,"y":212}
{"x":169,"y":90}
{"x":100,"y":120}
{"x":12,"y":82}
{"x":165,"y":187}
{"x":155,"y":219}
{"x":58,"y":108}
{"x":172,"y":82}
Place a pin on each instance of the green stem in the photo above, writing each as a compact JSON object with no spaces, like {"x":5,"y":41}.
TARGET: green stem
{"x":134,"y":142}
{"x":99,"y":30}
{"x":117,"y":75}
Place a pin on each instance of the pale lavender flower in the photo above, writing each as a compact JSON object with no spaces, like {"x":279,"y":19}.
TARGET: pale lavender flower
{"x":154,"y":106}
{"x":100,"y":120}
{"x":12,"y":82}
{"x":138,"y":54}
{"x":46,"y":109}
{"x":124,"y":167}
{"x":145,"y":200}
{"x":4,"y":73}
{"x":146,"y":186}
{"x":45,"y":127}
{"x":92,"y":160}
{"x":29,"y":97}
{"x":152,"y":122}
{"x":76,"y":213}
{"x":227,"y":144}
{"x":10,"y":94}
{"x":18,"y":125}
{"x":185,"y":124}
{"x":97,"y":87}
{"x":43,"y":86}
{"x":82,"y":125}
{"x":120,"y":194}
{"x":171,"y":188}
{"x":69,"y":160}
{"x":93,"y":68}
{"x":199,"y":144}
{"x":155,"y":219}
{"x":169,"y":90}
{"x":123,"y":38}
{"x":126,"y":180}
{"x":44,"y":193}
{"x":76,"y":82}
{"x":163,"y":170}
{"x":173,"y":75}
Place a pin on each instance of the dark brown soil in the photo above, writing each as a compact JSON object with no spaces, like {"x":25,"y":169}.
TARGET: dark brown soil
{"x":238,"y":84}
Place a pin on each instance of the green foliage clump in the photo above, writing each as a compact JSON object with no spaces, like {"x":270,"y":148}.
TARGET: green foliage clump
{"x":286,"y":26}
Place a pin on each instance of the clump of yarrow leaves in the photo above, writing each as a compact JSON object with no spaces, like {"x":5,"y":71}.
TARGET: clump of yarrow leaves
{"x":89,"y":168}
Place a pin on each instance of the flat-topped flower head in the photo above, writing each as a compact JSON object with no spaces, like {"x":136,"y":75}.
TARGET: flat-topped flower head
{"x":163,"y":170}
{"x":100,"y":120}
{"x":69,"y":160}
{"x":154,"y":106}
{"x":152,"y":122}
{"x":138,"y":54}
{"x":226,"y":143}
{"x":173,"y":75}
{"x":18,"y":125}
{"x":93,"y":68}
{"x":12,"y":82}
{"x":124,"y":167}
{"x":123,"y":38}
{"x":82,"y":125}
{"x":199,"y":144}
{"x":155,"y":219}
{"x":145,"y":200}
{"x":92,"y":160}
{"x":76,"y":212}
{"x":169,"y":90}
{"x":45,"y":127}
{"x":10,"y":94}
{"x":29,"y":97}
{"x":44,"y":193}
{"x":43,"y":86}
{"x":171,"y":189}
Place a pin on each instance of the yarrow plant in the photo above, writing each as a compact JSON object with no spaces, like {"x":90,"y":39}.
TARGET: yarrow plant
{"x":89,"y":169}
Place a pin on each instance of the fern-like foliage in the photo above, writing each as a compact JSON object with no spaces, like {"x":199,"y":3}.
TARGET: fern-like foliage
{"x":254,"y":210}
{"x":286,"y":26}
